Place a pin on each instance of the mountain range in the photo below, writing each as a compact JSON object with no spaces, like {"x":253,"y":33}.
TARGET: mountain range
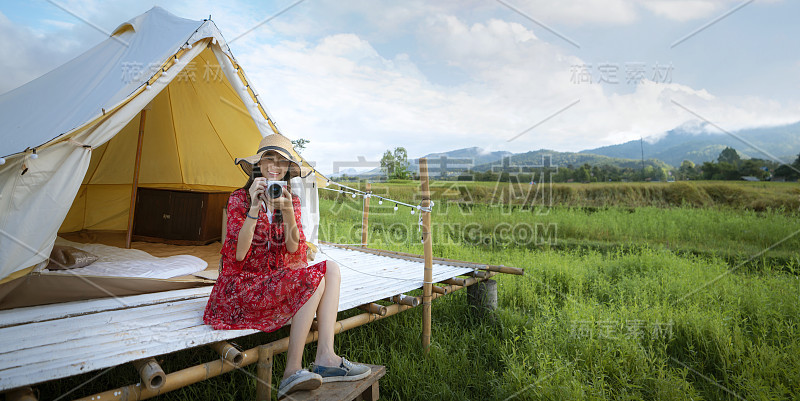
{"x":696,"y":143}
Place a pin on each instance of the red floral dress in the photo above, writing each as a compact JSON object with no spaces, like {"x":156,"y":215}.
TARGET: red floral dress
{"x":265,"y":289}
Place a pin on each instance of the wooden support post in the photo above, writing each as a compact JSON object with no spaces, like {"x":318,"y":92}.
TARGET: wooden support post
{"x":264,"y":373}
{"x":21,"y":394}
{"x":373,"y":393}
{"x":135,"y":182}
{"x":152,"y":375}
{"x":228,"y":352}
{"x":365,"y":218}
{"x":427,"y":246}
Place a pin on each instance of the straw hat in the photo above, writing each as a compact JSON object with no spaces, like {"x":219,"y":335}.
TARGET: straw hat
{"x":279,"y":144}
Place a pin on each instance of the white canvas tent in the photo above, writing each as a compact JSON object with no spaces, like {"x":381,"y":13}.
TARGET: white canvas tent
{"x":69,"y":138}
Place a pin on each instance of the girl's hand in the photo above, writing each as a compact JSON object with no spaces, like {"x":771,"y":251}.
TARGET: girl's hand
{"x":282,"y":203}
{"x":257,"y":191}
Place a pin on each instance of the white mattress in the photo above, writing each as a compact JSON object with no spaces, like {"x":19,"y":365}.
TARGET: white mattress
{"x":121,"y":262}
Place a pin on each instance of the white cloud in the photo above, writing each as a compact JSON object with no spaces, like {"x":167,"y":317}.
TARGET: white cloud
{"x":685,"y":10}
{"x":578,"y":12}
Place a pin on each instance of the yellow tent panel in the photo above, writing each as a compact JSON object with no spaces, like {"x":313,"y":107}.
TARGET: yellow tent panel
{"x":194,"y":130}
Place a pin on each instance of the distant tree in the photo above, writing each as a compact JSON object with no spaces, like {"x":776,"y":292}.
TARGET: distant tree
{"x":582,"y":174}
{"x":395,"y":164}
{"x":729,"y":155}
{"x":687,"y":171}
{"x":789,"y":172}
{"x":648,"y":172}
{"x":661,"y":174}
{"x":300,"y":144}
{"x":754,"y":168}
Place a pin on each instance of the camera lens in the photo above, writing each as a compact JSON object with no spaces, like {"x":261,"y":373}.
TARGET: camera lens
{"x":274,"y":191}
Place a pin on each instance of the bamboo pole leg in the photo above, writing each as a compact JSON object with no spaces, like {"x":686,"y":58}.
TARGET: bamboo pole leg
{"x":21,"y":394}
{"x":374,"y":308}
{"x":152,"y":375}
{"x":365,"y":218}
{"x":228,"y":352}
{"x":405,"y":300}
{"x":264,"y":373}
{"x":427,"y":245}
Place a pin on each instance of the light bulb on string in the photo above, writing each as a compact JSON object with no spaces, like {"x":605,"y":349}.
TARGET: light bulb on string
{"x":354,"y":195}
{"x":34,"y":155}
{"x":189,"y":45}
{"x":412,"y":211}
{"x":2,"y":161}
{"x":380,"y":202}
{"x":395,"y":207}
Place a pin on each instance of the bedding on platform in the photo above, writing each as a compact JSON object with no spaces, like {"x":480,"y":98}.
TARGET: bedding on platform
{"x":120,"y":262}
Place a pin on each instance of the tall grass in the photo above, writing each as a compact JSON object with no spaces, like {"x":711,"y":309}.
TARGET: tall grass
{"x":734,"y":234}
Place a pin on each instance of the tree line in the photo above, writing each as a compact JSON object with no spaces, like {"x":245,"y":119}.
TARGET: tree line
{"x":728,"y":166}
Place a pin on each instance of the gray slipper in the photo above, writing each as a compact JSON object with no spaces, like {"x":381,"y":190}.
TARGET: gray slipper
{"x":300,"y":380}
{"x":345,"y":372}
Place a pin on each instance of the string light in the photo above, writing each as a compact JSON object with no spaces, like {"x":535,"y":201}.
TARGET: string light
{"x":380,"y":202}
{"x":395,"y":207}
{"x":2,"y":161}
{"x":188,"y":45}
{"x":34,"y":155}
{"x":412,"y":211}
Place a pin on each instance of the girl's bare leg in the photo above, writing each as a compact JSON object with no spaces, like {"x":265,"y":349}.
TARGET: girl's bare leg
{"x":326,"y":317}
{"x":301,"y":325}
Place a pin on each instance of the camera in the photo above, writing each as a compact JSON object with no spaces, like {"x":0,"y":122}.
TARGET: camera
{"x":275,"y":189}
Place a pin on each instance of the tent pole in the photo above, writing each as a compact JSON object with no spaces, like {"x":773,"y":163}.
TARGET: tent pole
{"x":427,"y":241}
{"x":135,"y":182}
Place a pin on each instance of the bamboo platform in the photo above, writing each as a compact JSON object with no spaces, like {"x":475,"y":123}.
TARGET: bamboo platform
{"x":49,"y":342}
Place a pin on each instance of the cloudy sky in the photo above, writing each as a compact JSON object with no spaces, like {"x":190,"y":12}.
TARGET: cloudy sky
{"x":361,"y":76}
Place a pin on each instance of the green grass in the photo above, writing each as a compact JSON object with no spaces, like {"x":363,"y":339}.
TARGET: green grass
{"x":617,"y":303}
{"x":735,"y":235}
{"x":758,"y":196}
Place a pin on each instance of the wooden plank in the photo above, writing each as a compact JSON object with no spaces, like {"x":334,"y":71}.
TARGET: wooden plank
{"x":341,"y":391}
{"x":96,"y":324}
{"x":57,"y":311}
